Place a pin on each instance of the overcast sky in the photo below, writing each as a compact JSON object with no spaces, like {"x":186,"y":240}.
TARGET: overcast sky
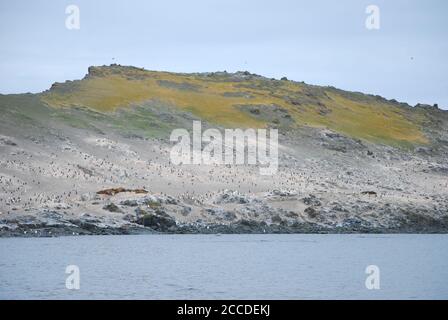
{"x":319,"y":42}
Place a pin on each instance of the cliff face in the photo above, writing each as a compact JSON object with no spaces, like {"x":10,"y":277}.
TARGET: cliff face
{"x":348,"y":162}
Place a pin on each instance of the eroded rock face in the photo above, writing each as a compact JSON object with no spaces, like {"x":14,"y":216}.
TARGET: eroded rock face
{"x":262,"y":213}
{"x":158,"y":221}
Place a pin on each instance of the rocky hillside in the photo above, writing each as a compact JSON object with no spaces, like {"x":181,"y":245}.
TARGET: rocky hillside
{"x":247,"y":100}
{"x":72,"y":158}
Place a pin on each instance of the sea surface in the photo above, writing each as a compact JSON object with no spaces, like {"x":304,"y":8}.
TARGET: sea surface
{"x":225,"y":267}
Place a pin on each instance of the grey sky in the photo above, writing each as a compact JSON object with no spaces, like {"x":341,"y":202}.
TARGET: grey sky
{"x":319,"y":42}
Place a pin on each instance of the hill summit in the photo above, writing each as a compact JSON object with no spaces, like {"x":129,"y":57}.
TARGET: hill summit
{"x":243,"y":99}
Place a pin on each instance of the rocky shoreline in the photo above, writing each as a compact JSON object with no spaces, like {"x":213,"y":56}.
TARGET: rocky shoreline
{"x":242,"y":227}
{"x":151,"y":214}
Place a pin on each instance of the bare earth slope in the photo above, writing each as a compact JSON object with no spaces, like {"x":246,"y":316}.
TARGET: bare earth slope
{"x":349,"y":162}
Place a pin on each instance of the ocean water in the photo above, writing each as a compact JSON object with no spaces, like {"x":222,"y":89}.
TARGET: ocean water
{"x":226,"y":267}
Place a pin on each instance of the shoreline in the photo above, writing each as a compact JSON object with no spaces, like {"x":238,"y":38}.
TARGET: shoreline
{"x":245,"y":227}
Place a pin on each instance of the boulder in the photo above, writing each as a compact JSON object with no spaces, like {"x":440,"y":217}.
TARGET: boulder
{"x":112,"y":208}
{"x":157,"y":222}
